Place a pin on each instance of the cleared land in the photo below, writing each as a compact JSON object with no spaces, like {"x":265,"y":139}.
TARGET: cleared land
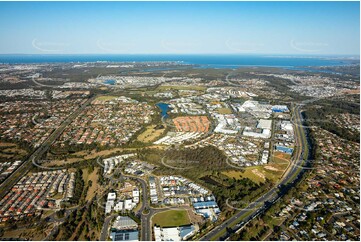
{"x":192,"y":124}
{"x":273,"y":170}
{"x":171,"y":218}
{"x":150,"y":134}
{"x":278,"y":156}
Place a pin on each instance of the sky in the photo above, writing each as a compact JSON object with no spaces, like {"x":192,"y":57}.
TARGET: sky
{"x":306,"y":28}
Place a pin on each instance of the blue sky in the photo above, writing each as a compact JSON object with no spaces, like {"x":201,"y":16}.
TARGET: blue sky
{"x":180,"y":27}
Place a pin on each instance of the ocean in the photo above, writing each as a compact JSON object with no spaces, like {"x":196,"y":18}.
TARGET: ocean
{"x":203,"y":61}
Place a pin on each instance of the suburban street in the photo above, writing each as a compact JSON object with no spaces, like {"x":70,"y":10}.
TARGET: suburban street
{"x":26,"y":165}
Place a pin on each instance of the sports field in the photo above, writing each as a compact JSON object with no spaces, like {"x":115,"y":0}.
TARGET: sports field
{"x":171,"y":218}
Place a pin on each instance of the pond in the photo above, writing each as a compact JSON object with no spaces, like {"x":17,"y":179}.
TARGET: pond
{"x":109,"y":82}
{"x":164,"y":108}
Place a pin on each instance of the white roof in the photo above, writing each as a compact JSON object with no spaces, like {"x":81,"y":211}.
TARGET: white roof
{"x":249,"y":104}
{"x":171,"y":234}
{"x":157,"y":234}
{"x":264,"y":124}
{"x":112,"y":196}
{"x":135,"y":193}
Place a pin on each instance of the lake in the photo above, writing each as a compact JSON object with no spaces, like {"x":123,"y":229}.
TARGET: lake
{"x":109,"y":82}
{"x":164,"y":108}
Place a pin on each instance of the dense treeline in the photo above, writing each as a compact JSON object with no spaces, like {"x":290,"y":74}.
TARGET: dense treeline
{"x":82,"y":222}
{"x":239,"y":192}
{"x":79,"y":186}
{"x":209,"y":157}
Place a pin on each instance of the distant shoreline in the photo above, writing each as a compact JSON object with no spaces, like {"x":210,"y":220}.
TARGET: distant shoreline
{"x":207,"y":61}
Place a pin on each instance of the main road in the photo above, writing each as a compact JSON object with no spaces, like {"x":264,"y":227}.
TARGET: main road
{"x":145,"y":212}
{"x":27,"y":164}
{"x":255,"y":208}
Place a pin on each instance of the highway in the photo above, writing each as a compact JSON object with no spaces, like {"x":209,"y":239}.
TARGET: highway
{"x":27,"y":164}
{"x":266,"y":200}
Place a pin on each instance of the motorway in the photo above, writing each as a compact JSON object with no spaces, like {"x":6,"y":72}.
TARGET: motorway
{"x":26,"y":165}
{"x":254,"y":209}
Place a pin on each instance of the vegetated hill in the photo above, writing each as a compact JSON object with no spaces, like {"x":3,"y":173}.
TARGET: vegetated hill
{"x":191,"y":163}
{"x":320,"y":113}
{"x":209,"y":157}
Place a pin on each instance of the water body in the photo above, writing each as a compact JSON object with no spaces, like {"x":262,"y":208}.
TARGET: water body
{"x":164,"y":108}
{"x":203,"y":61}
{"x":109,"y":82}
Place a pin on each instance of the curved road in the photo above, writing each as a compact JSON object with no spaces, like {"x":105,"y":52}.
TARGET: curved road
{"x":145,"y":218}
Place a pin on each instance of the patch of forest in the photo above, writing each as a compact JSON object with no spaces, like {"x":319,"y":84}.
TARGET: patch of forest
{"x":319,"y":114}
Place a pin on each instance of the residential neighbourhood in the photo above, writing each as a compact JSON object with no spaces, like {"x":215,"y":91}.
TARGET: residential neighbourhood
{"x":177,"y":155}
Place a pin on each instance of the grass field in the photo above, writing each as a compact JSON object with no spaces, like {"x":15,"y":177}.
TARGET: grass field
{"x":150,"y":134}
{"x":171,"y":218}
{"x":7,"y":144}
{"x":85,"y":155}
{"x":224,"y":111}
{"x":197,"y":88}
{"x":91,"y":177}
{"x":105,"y":98}
{"x":273,"y":170}
{"x":247,"y":173}
{"x":11,"y":151}
{"x":29,"y":233}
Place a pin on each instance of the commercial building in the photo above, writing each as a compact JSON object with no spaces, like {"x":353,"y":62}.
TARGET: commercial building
{"x":284,"y":149}
{"x":174,"y":234}
{"x":264,"y":124}
{"x":280,"y":109}
{"x":206,"y":206}
{"x":124,"y":229}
